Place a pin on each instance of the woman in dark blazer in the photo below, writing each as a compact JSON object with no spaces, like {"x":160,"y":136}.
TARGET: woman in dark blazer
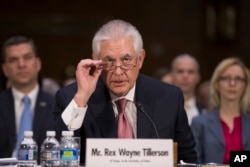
{"x":227,"y":126}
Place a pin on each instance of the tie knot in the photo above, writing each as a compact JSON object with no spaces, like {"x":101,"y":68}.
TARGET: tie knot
{"x":26,"y":100}
{"x":121,"y":104}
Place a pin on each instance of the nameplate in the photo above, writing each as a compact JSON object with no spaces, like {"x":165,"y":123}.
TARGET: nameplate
{"x":129,"y":153}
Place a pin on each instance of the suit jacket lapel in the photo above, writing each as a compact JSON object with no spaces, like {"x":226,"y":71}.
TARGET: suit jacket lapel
{"x":215,"y":127}
{"x":40,"y":114}
{"x":101,"y":109}
{"x":217,"y":132}
{"x":144,"y":125}
{"x":245,"y":130}
{"x":9,"y":116}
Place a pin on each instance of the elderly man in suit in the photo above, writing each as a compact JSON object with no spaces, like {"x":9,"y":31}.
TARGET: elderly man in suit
{"x":21,"y":66}
{"x":91,"y":106}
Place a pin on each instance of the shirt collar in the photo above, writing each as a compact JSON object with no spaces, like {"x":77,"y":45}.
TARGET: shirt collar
{"x":191,"y":102}
{"x":32,"y":94}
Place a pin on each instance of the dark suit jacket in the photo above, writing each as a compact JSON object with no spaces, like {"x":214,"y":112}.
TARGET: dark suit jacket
{"x":162,"y":102}
{"x":43,"y":121}
{"x":209,"y":136}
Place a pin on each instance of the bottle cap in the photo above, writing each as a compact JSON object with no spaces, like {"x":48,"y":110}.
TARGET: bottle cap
{"x":51,"y":133}
{"x":28,"y":133}
{"x":67,"y":133}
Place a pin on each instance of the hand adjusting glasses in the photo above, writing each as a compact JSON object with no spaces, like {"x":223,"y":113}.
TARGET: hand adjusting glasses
{"x":126,"y":64}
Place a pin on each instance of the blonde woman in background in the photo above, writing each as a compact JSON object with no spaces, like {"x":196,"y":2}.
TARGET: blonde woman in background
{"x":227,"y":126}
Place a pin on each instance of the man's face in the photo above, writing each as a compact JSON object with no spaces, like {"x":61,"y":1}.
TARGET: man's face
{"x":120,"y":53}
{"x":185,"y":74}
{"x":21,"y":65}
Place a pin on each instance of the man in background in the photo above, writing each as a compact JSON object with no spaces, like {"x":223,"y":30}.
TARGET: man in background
{"x":21,"y":65}
{"x":185,"y":74}
{"x":164,"y":74}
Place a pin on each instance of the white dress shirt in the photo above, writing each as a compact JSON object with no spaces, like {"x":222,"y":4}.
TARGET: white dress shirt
{"x":191,"y":109}
{"x":73,"y":115}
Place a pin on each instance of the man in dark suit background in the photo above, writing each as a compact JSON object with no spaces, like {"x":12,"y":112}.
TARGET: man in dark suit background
{"x":21,"y":65}
{"x":154,"y":109}
{"x":185,"y":72}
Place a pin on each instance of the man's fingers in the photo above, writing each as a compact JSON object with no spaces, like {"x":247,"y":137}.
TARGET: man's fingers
{"x":96,"y":73}
{"x":89,"y":64}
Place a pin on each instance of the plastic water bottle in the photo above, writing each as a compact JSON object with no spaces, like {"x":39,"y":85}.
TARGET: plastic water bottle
{"x":50,"y":151}
{"x":68,"y":150}
{"x":27,"y":151}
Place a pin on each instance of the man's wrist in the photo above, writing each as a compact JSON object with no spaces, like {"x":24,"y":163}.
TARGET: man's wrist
{"x":80,"y":100}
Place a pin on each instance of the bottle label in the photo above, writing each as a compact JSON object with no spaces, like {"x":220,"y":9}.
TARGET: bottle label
{"x":50,"y":155}
{"x":69,"y":154}
{"x":27,"y":154}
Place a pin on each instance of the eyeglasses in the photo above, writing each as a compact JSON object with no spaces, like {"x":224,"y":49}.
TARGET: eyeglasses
{"x":109,"y":64}
{"x":229,"y":79}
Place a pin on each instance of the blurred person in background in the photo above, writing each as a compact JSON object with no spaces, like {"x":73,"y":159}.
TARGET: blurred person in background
{"x":163,"y":74}
{"x":226,"y":126}
{"x":185,"y":73}
{"x":68,"y":81}
{"x":203,"y":95}
{"x":50,"y":85}
{"x":21,"y":66}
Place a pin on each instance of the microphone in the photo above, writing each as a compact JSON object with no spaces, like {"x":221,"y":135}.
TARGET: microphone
{"x":140,"y":107}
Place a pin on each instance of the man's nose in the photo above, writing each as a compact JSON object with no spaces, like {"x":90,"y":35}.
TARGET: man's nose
{"x":21,"y":62}
{"x":118,"y":70}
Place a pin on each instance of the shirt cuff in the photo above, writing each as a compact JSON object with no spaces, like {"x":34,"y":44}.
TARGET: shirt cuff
{"x":73,"y":115}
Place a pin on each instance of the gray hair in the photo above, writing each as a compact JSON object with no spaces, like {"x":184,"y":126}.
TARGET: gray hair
{"x":117,"y":29}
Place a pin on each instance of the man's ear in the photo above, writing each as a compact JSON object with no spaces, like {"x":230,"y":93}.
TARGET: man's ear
{"x":5,"y":71}
{"x":141,"y":58}
{"x":39,"y":64}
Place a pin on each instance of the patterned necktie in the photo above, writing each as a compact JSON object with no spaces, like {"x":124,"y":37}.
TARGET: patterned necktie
{"x":26,"y":120}
{"x":124,"y":128}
